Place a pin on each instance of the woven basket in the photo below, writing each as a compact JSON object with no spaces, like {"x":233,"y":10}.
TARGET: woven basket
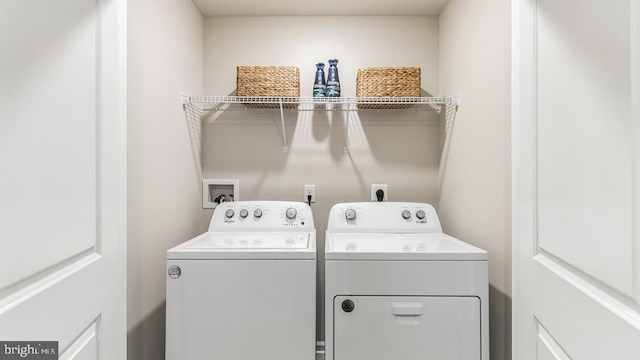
{"x":387,"y":82}
{"x":272,"y":81}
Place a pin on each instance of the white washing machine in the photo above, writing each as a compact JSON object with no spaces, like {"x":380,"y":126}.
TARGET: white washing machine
{"x":246,"y":289}
{"x":398,"y":288}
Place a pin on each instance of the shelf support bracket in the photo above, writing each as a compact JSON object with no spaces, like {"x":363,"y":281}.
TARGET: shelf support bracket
{"x":455,"y":101}
{"x":346,"y":127}
{"x":450,"y":112}
{"x":186,"y":100}
{"x":284,"y":131}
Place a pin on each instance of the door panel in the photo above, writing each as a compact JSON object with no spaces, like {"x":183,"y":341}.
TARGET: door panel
{"x":47,"y":132}
{"x":548,"y":348}
{"x":49,"y":300}
{"x":407,"y":327}
{"x":84,"y":346}
{"x":576,"y":186}
{"x":62,"y":152}
{"x":584,"y":144}
{"x":585,"y":320}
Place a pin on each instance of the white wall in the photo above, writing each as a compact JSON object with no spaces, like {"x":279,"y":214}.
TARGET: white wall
{"x":165,"y":59}
{"x":474,"y":202}
{"x":401,"y":149}
{"x":303,"y":41}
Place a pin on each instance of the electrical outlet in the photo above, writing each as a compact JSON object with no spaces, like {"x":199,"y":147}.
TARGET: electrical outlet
{"x":374,"y":190}
{"x":310,"y":190}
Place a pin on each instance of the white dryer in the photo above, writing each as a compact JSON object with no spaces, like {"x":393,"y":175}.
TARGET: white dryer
{"x":398,"y":288}
{"x":246,"y":289}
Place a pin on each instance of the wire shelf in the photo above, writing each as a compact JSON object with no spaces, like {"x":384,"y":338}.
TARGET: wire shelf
{"x":224,"y":103}
{"x":199,"y":108}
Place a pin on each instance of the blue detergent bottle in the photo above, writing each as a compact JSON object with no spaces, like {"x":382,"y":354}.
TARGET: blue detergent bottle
{"x":319,"y":85}
{"x":333,"y":81}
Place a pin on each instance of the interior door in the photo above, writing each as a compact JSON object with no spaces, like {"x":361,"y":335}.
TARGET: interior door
{"x":576,"y":180}
{"x":62,"y":176}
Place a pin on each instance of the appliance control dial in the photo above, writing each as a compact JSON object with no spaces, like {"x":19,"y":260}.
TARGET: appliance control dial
{"x":291,"y":213}
{"x":229,"y":213}
{"x":244,"y":213}
{"x":257,"y":213}
{"x":406,"y":214}
{"x":420,"y":214}
{"x":350,"y":214}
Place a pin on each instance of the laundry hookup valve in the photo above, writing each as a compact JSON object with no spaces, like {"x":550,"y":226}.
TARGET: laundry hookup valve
{"x":222,"y":198}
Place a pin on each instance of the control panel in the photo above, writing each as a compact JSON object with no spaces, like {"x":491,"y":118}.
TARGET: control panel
{"x":390,"y":217}
{"x":262,"y":215}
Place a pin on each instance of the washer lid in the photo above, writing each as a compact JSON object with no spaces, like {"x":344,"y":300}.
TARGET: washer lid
{"x":247,"y":245}
{"x":400,"y":247}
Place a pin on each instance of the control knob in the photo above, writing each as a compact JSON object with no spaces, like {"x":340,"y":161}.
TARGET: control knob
{"x":291,"y":213}
{"x":229,"y":213}
{"x":406,"y":214}
{"x":350,"y":214}
{"x":420,"y":214}
{"x":257,"y":213}
{"x":244,"y":213}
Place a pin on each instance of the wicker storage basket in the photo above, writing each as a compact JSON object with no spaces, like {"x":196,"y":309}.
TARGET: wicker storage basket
{"x":387,"y":82}
{"x":272,"y":81}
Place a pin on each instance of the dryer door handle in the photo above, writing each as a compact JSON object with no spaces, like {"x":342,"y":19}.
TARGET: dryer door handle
{"x":406,"y":309}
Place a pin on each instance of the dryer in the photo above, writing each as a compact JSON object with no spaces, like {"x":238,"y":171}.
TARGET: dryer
{"x":398,"y":288}
{"x":246,"y":289}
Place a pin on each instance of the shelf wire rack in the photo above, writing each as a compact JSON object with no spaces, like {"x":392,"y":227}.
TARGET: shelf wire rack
{"x":200,"y":108}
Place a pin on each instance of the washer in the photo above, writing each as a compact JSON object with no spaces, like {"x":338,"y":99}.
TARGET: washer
{"x":246,"y":289}
{"x":398,"y":288}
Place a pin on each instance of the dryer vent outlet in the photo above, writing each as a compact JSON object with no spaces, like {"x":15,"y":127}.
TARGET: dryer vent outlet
{"x":376,"y":194}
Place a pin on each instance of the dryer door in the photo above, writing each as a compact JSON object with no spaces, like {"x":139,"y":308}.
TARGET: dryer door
{"x":406,"y":327}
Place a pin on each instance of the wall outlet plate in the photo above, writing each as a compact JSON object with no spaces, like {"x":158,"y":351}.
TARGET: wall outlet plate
{"x":375,"y":188}
{"x":213,"y":188}
{"x":309,"y":190}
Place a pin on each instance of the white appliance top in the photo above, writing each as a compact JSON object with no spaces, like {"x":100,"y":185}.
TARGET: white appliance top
{"x":392,"y":231}
{"x":376,"y":246}
{"x":254,"y":230}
